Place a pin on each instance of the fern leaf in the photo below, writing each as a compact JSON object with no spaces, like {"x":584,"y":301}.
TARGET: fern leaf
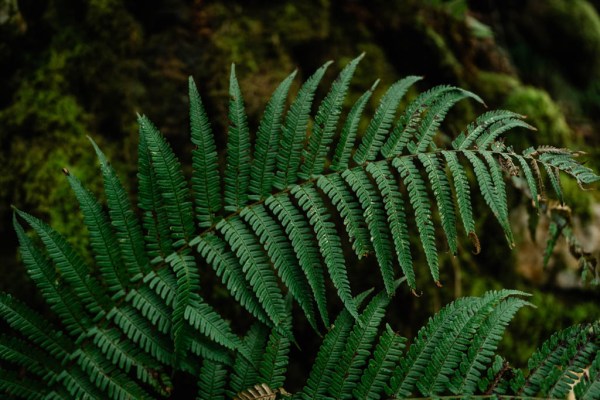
{"x":154,"y":218}
{"x":204,"y":318}
{"x":171,"y":183}
{"x":13,"y":384}
{"x":207,"y":349}
{"x":483,"y":345}
{"x":151,"y":306}
{"x":385,"y":357}
{"x":435,"y":116}
{"x":102,"y":238}
{"x":307,"y":252}
{"x":481,"y":125}
{"x":256,"y":266}
{"x":588,"y":387}
{"x":275,"y":360}
{"x":294,"y":131}
{"x":28,"y":356}
{"x":463,"y":196}
{"x":205,"y":163}
{"x":396,"y":217}
{"x":341,"y":197}
{"x":529,"y":178}
{"x":443,"y":195}
{"x":227,"y":266}
{"x":553,"y":367}
{"x":106,"y":377}
{"x":34,"y":327}
{"x":78,"y":384}
{"x":139,"y":331}
{"x":567,"y":164}
{"x":416,"y":360}
{"x":281,"y":252}
{"x":488,"y":190}
{"x":345,"y":145}
{"x":329,"y":242}
{"x":407,"y":124}
{"x":237,"y":170}
{"x":245,"y":369}
{"x":495,"y":130}
{"x":71,"y":266}
{"x":60,"y":298}
{"x":212,"y":380}
{"x":164,"y":284}
{"x":326,"y":122}
{"x":500,"y":192}
{"x":382,"y":120}
{"x":358,"y":345}
{"x":260,"y":391}
{"x":267,"y":140}
{"x":375,"y":218}
{"x":188,"y":283}
{"x":328,"y":358}
{"x":554,"y":178}
{"x":123,"y":219}
{"x":420,"y":203}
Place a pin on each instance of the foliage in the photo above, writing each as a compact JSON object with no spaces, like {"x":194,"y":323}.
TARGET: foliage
{"x":270,"y":226}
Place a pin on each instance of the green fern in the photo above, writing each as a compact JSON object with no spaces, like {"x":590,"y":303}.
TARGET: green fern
{"x":136,"y":322}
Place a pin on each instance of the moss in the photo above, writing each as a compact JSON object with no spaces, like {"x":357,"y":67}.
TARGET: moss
{"x":543,"y":113}
{"x":494,"y":87}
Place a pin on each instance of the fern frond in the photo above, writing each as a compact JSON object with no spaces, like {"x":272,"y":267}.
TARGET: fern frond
{"x":151,"y":306}
{"x":294,"y":131}
{"x":256,"y":266}
{"x":488,"y":190}
{"x":267,"y":140}
{"x":28,"y":356}
{"x":554,"y":178}
{"x":328,"y":358}
{"x":443,"y":195}
{"x":326,"y":122}
{"x":154,"y":218}
{"x":275,"y":360}
{"x":61,"y":298}
{"x":188,"y":283}
{"x":341,"y":197}
{"x":171,"y":183}
{"x":485,"y":141}
{"x":212,"y":380}
{"x":303,"y":242}
{"x":566,"y":163}
{"x":78,"y":384}
{"x":204,"y":318}
{"x":345,"y":145}
{"x":123,"y":219}
{"x":420,"y":203}
{"x":382,"y":120}
{"x":102,"y":238}
{"x":463,"y":195}
{"x":483,"y":345}
{"x":555,"y":367}
{"x":434,"y":117}
{"x":214,"y":250}
{"x":465,"y":140}
{"x":396,"y":217}
{"x":139,"y":331}
{"x":356,"y":352}
{"x":13,"y":384}
{"x":237,"y":171}
{"x":207,"y":349}
{"x":588,"y":387}
{"x":71,"y":266}
{"x":375,"y":218}
{"x":406,"y":127}
{"x":245,"y":369}
{"x":385,"y":357}
{"x":526,"y":170}
{"x":281,"y":253}
{"x":41,"y":332}
{"x":205,"y":161}
{"x":106,"y":377}
{"x":329,"y":242}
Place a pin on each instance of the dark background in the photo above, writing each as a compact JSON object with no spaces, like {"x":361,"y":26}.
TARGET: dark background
{"x":74,"y":68}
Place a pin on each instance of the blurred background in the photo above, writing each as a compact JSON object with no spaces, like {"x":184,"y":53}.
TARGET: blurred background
{"x":71,"y":68}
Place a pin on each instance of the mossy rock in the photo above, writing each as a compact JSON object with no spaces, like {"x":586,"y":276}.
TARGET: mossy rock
{"x":494,"y":88}
{"x":543,"y":113}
